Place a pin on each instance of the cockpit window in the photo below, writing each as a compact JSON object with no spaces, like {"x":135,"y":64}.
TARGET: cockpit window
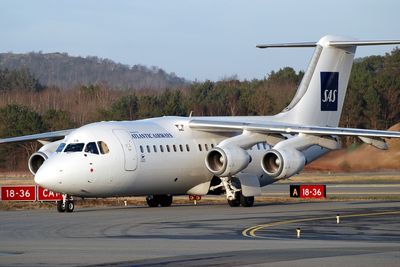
{"x":76,"y":147}
{"x":91,"y":148}
{"x":60,"y":147}
{"x":103,"y":147}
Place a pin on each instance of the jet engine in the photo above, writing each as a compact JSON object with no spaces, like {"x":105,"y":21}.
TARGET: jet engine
{"x":39,"y":157}
{"x":282,"y":163}
{"x":227,"y":161}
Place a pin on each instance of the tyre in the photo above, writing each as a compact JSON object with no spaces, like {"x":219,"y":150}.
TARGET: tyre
{"x":246,"y":201}
{"x":60,"y":206}
{"x":69,"y":206}
{"x":152,"y":201}
{"x":165,"y":200}
{"x":234,"y":202}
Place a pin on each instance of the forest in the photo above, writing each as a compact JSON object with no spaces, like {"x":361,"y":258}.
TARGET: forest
{"x":65,"y":71}
{"x":27,"y":106}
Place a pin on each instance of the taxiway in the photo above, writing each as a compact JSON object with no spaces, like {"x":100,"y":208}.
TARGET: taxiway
{"x":205,"y":235}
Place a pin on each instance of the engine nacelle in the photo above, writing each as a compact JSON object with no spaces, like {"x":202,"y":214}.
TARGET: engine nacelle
{"x":38,"y":158}
{"x":224,"y":162}
{"x":282,"y":163}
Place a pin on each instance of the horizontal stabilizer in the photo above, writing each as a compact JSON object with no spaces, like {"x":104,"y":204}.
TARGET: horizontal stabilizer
{"x":363,"y":43}
{"x":304,"y":44}
{"x":332,"y":43}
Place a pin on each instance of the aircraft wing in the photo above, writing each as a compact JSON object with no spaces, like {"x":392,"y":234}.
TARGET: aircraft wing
{"x":223,"y":126}
{"x":372,"y":137}
{"x":49,"y":136}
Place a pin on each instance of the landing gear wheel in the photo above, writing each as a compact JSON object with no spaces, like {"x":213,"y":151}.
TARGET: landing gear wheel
{"x":165,"y":200}
{"x":152,"y":201}
{"x":69,"y":206}
{"x":246,"y":201}
{"x":159,"y":200}
{"x":234,"y":202}
{"x":60,"y":206}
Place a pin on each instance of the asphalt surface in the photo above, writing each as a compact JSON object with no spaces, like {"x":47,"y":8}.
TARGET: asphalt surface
{"x":206,"y":235}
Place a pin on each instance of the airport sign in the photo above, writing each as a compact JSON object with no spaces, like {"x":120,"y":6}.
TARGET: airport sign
{"x":44,"y":194}
{"x":18,"y":193}
{"x":28,"y":193}
{"x":308,"y":191}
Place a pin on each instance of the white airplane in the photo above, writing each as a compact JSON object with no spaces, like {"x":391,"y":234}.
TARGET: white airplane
{"x":167,"y":156}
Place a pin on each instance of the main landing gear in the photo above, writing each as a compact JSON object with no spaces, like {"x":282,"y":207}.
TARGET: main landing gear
{"x":66,"y":204}
{"x":234,"y":193}
{"x":159,"y":200}
{"x":241,"y":200}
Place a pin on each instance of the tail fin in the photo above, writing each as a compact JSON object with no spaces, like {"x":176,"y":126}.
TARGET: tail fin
{"x":320,"y":96}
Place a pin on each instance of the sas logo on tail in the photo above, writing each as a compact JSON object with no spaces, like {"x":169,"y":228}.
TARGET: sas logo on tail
{"x":329,"y":91}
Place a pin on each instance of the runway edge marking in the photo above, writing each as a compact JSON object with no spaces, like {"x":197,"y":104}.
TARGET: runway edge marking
{"x":251,"y":231}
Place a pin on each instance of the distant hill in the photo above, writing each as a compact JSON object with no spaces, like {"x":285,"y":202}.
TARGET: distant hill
{"x":66,"y":71}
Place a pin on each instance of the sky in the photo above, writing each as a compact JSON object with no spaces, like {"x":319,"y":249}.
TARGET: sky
{"x":196,"y":39}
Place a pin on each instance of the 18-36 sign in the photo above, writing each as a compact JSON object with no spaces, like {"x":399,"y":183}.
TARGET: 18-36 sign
{"x":20,"y":193}
{"x":308,"y":191}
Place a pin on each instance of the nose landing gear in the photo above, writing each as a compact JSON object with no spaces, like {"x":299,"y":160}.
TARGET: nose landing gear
{"x":66,"y":204}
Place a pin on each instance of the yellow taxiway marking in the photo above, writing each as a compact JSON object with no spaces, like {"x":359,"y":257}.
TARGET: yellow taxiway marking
{"x":251,"y":231}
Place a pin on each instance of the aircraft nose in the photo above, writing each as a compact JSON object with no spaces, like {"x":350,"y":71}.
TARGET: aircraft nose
{"x":45,"y":177}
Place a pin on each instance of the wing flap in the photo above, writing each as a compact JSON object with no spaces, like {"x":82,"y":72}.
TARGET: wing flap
{"x":376,"y":142}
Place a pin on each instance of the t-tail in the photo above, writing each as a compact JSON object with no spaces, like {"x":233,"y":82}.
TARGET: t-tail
{"x":321,"y":93}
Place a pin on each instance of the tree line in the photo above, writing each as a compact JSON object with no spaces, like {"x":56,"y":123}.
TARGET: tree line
{"x":27,"y":107}
{"x":65,"y":71}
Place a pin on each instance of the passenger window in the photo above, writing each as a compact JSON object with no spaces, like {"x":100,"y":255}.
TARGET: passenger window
{"x":168,"y":148}
{"x":161,"y":148}
{"x":141,"y":149}
{"x":76,"y":147}
{"x":103,"y":147}
{"x":212,"y":145}
{"x":148,"y":149}
{"x":91,"y":148}
{"x":181,"y":148}
{"x":264,"y":145}
{"x":206,"y":146}
{"x":174,"y":148}
{"x":200,"y":149}
{"x":187,"y":148}
{"x":60,"y":147}
{"x":154,"y":148}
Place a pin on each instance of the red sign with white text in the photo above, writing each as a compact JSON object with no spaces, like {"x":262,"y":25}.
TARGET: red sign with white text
{"x":312,"y":191}
{"x":19,"y":193}
{"x":47,"y":195}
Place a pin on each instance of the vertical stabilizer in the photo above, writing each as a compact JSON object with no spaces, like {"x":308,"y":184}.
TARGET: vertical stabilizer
{"x":320,"y":96}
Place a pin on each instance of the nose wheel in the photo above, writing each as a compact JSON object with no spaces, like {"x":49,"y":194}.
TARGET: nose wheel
{"x":66,"y":205}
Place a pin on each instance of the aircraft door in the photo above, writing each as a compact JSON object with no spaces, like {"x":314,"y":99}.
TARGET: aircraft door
{"x":128,"y":146}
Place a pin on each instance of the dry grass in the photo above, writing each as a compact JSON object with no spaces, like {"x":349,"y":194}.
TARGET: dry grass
{"x":324,"y":178}
{"x":344,"y":178}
